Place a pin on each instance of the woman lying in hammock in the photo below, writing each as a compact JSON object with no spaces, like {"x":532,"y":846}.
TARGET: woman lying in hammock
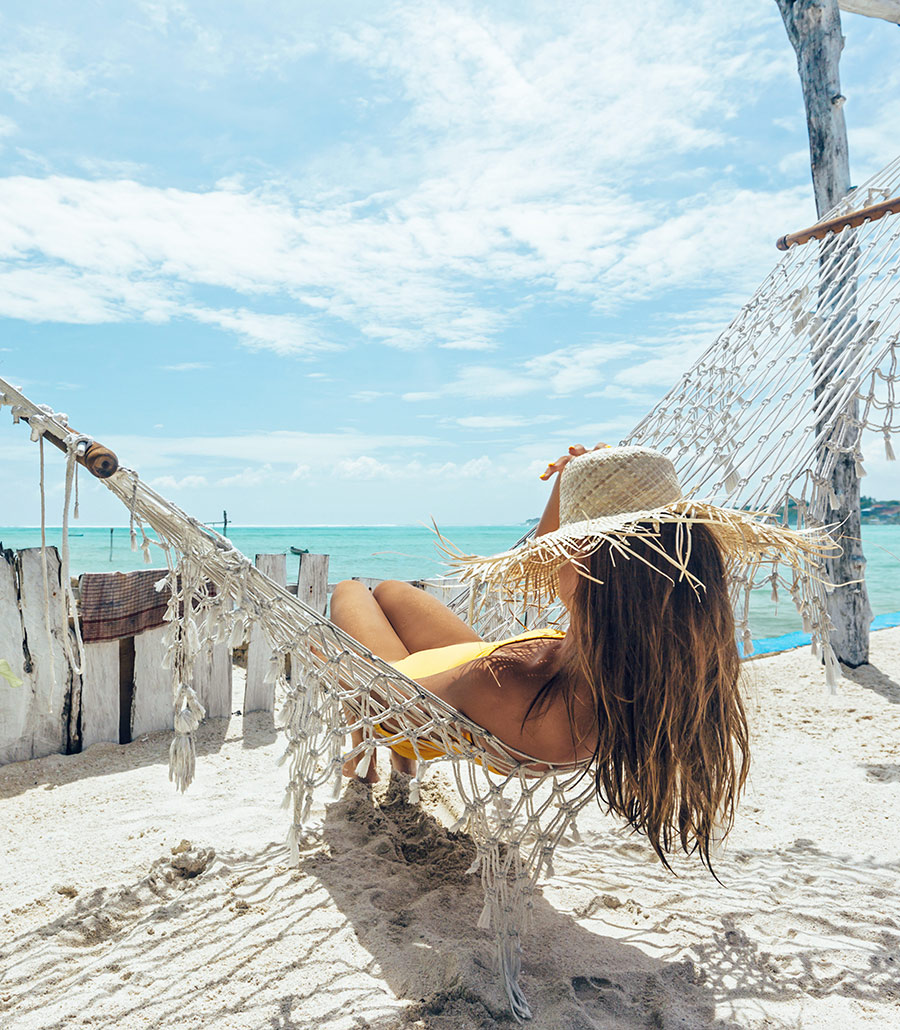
{"x":645,"y":683}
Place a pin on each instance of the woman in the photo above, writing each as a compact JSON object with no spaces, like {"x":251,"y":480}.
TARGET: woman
{"x":644,"y":685}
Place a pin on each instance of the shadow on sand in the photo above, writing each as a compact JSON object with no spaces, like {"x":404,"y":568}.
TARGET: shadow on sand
{"x":382,"y":897}
{"x":255,"y":729}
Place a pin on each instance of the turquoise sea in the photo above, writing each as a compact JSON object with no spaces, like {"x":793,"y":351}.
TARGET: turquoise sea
{"x":409,"y":552}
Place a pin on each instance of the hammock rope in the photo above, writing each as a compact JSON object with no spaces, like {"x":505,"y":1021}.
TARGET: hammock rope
{"x":759,"y":421}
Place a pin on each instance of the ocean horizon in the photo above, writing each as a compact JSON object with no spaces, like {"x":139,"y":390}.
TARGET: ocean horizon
{"x":409,"y":552}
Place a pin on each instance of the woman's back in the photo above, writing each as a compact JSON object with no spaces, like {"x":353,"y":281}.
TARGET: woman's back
{"x":496,"y":685}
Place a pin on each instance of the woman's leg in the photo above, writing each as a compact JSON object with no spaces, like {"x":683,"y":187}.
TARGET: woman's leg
{"x":355,"y":610}
{"x":419,"y":620}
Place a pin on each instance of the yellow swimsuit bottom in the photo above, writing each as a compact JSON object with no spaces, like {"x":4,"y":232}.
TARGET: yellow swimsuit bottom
{"x":420,"y":664}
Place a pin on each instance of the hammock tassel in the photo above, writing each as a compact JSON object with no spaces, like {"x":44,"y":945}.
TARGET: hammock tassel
{"x":182,"y":761}
{"x":832,"y":669}
{"x":460,"y":827}
{"x":293,"y":843}
{"x":484,"y":920}
{"x":888,"y":449}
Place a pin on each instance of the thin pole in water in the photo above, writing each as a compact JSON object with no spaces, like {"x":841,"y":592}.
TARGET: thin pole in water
{"x":110,"y":544}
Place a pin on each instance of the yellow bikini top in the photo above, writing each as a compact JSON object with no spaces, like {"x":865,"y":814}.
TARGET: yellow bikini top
{"x":440,"y":659}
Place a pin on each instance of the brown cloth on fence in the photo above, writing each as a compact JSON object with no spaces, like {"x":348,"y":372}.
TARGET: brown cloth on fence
{"x":121,"y":604}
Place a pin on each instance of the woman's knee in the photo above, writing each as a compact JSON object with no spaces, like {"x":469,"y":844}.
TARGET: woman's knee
{"x":389,"y":591}
{"x":348,"y":593}
{"x":350,"y":588}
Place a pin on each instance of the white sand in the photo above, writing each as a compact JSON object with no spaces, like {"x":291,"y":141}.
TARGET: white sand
{"x":104,"y":927}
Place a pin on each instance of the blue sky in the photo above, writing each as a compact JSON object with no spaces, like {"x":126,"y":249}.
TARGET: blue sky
{"x":363,"y":263}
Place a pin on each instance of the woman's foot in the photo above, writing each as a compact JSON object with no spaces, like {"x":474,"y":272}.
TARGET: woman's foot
{"x":403,"y":765}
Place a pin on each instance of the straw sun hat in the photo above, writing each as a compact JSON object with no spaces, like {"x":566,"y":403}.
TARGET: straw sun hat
{"x":618,"y":494}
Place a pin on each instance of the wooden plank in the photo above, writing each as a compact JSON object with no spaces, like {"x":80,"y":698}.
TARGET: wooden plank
{"x":312,"y":581}
{"x":15,"y":702}
{"x":73,"y":730}
{"x":259,"y":696}
{"x":888,"y":10}
{"x":48,"y":722}
{"x":100,"y":693}
{"x":153,"y":707}
{"x":212,"y":680}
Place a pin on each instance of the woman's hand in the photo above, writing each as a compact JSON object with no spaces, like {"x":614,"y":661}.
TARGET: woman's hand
{"x":549,"y":521}
{"x":575,"y":451}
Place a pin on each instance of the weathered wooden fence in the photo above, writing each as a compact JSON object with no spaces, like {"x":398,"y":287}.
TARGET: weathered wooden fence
{"x":124,"y":691}
{"x":36,"y":717}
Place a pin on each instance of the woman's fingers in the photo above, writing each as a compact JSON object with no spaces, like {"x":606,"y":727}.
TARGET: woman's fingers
{"x":556,"y":466}
{"x":575,"y":451}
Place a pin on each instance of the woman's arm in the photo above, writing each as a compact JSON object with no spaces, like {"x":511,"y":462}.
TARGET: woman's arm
{"x":550,"y":519}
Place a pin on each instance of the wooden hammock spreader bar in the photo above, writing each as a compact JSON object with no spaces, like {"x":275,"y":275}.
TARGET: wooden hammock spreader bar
{"x":100,"y":461}
{"x":835,"y":225}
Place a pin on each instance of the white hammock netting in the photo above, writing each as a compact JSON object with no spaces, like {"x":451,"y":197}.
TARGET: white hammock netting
{"x":759,"y":421}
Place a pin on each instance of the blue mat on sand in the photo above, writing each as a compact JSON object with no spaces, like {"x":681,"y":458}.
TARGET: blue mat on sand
{"x":769,"y":645}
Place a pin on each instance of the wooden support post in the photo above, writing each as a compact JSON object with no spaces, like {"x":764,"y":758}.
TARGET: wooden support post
{"x":259,"y":696}
{"x":51,"y":675}
{"x":100,"y":693}
{"x":15,"y":702}
{"x":212,"y":680}
{"x":814,"y":29}
{"x":153,"y":708}
{"x":312,"y":581}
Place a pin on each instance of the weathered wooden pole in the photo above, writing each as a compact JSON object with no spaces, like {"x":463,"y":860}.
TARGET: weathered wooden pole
{"x":814,"y":29}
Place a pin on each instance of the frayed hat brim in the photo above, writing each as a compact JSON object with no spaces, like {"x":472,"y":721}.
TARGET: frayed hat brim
{"x":746,"y":540}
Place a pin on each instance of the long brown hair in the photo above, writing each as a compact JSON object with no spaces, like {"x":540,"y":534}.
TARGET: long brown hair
{"x":658,"y":651}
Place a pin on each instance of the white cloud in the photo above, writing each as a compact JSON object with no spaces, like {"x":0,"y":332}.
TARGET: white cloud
{"x":503,"y":421}
{"x":615,"y":392}
{"x":363,"y":467}
{"x":479,"y":382}
{"x":43,"y":60}
{"x":256,"y":476}
{"x":572,"y":369}
{"x":369,"y":468}
{"x":186,"y":366}
{"x":276,"y":448}
{"x":513,"y":167}
{"x":284,"y":334}
{"x":190,"y":482}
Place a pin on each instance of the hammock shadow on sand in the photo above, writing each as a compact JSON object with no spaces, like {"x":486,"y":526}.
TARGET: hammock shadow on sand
{"x":381,"y":896}
{"x":192,"y":952}
{"x":597,"y":976}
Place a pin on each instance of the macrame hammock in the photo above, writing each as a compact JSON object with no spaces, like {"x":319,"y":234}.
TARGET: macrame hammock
{"x":759,"y":422}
